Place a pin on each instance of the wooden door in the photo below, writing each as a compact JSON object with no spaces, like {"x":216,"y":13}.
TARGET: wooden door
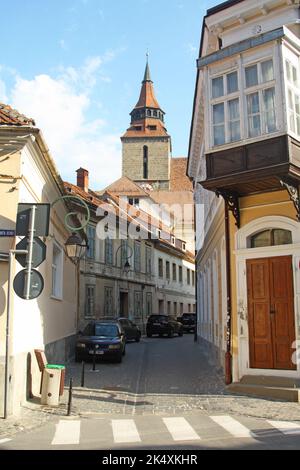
{"x":271,"y":312}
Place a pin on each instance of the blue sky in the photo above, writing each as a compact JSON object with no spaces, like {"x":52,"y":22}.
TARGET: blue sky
{"x":76,"y":67}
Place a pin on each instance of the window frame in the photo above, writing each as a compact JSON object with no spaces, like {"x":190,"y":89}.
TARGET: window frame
{"x":57,"y":287}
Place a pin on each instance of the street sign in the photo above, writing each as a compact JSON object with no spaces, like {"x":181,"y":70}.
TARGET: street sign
{"x":38,"y":252}
{"x":7,"y":233}
{"x":41,"y":223}
{"x":36,"y":284}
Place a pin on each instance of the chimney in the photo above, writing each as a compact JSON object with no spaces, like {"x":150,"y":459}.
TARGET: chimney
{"x":83,"y":179}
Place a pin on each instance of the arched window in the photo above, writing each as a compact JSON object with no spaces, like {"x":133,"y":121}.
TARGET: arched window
{"x":148,"y":112}
{"x":271,"y":237}
{"x":145,"y":162}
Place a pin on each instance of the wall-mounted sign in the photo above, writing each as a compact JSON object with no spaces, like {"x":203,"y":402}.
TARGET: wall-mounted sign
{"x":7,"y":233}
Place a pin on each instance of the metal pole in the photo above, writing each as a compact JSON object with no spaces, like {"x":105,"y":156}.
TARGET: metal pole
{"x":70,"y":397}
{"x":30,"y":251}
{"x":7,"y":342}
{"x":7,"y":338}
{"x":82,"y":374}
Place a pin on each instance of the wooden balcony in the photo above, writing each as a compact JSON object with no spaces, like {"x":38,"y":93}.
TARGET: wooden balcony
{"x":254,"y":168}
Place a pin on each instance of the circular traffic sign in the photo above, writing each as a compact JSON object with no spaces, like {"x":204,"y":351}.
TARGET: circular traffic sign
{"x":36,"y":284}
{"x":38,"y":251}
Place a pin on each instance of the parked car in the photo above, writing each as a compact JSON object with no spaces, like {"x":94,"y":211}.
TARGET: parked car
{"x":188,"y":321}
{"x":163,"y":325}
{"x":104,"y":338}
{"x":131,"y":330}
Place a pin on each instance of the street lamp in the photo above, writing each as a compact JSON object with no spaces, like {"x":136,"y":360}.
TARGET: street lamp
{"x":75,"y":248}
{"x":127,"y":266}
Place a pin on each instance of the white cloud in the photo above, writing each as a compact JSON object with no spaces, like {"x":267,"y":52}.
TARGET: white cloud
{"x":60,"y":107}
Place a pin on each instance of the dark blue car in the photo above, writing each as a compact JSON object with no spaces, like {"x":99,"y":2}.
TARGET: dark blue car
{"x":105,"y":339}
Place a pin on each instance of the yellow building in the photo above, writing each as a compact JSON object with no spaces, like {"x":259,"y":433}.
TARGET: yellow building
{"x":48,"y":322}
{"x":245,"y":162}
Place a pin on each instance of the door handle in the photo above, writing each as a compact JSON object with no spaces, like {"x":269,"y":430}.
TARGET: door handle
{"x":272,"y":310}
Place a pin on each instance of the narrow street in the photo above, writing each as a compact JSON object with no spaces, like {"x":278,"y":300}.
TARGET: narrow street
{"x":164,"y":395}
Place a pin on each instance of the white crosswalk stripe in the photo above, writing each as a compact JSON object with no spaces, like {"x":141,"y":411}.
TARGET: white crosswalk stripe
{"x":286,"y":427}
{"x":67,"y":433}
{"x":125,"y":430}
{"x":234,"y":427}
{"x":180,"y":429}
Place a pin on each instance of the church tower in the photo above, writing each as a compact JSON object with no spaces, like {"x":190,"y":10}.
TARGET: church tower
{"x":146,"y":145}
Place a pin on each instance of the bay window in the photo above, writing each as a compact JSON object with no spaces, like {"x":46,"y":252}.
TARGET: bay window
{"x":293,"y":97}
{"x":244,"y":107}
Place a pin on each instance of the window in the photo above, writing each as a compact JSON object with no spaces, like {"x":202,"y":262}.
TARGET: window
{"x":108,"y":251}
{"x":219,"y":124}
{"x":169,"y":307}
{"x":174,"y":272}
{"x":293,"y":98}
{"x":124,"y":253}
{"x":180,"y":273}
{"x":217,"y":87}
{"x":130,"y":201}
{"x":148,"y":260}
{"x":145,"y":162}
{"x":225,"y":113}
{"x":167,"y":269}
{"x":189,"y":308}
{"x":137,"y":304}
{"x":173,"y":240}
{"x":232,"y":82}
{"x":184,"y":246}
{"x":136,"y":201}
{"x":261,"y":104}
{"x":91,"y":232}
{"x":149,"y":304}
{"x":188,"y":272}
{"x":175,"y":309}
{"x":137,"y":256}
{"x":57,"y":271}
{"x":108,"y":301}
{"x":251,"y":75}
{"x":181,"y":309}
{"x":89,"y":301}
{"x":271,"y":237}
{"x":234,"y":120}
{"x":193,"y":278}
{"x":160,"y":268}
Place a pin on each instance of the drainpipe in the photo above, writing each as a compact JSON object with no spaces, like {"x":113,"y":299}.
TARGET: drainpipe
{"x":228,"y":356}
{"x":196,"y":270}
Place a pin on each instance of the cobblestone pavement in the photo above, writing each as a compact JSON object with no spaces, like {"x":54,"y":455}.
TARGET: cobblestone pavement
{"x":149,"y":382}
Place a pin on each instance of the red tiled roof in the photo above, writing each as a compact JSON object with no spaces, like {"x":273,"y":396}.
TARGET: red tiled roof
{"x":145,"y":129}
{"x":178,"y":179}
{"x":11,"y":117}
{"x":124,"y":187}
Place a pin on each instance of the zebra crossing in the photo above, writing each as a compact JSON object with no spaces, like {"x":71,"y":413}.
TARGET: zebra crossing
{"x":170,"y":429}
{"x":194,"y":430}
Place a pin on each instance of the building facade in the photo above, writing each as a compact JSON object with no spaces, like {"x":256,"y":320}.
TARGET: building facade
{"x":49,"y":322}
{"x":160,"y":271}
{"x":244,"y":160}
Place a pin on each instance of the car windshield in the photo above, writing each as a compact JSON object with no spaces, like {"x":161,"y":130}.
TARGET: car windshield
{"x":106,"y":330}
{"x":158,"y":318}
{"x":101,"y":330}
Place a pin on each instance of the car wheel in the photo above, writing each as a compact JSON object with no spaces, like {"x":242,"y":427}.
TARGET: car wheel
{"x":119,"y":359}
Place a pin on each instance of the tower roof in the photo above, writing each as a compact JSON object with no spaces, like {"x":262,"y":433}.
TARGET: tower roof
{"x":147,"y":97}
{"x":147,"y":117}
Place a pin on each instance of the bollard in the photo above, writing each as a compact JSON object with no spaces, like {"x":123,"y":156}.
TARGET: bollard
{"x":82,"y":373}
{"x":94,"y":360}
{"x":70,"y":397}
